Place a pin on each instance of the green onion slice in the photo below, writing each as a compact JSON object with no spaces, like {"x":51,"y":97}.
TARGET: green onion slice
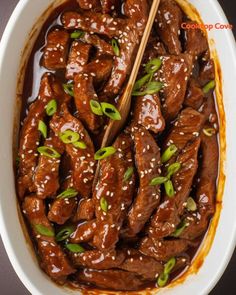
{"x":209,"y":86}
{"x":128,"y":173}
{"x":48,"y":152}
{"x":168,"y":153}
{"x":110,"y":111}
{"x":80,"y":145}
{"x":96,"y":107}
{"x":209,"y":131}
{"x":169,"y":188}
{"x":64,"y":233}
{"x":172,"y":169}
{"x":75,"y":248}
{"x":69,"y":88}
{"x":153,"y":65}
{"x":77,"y":34}
{"x":69,"y":136}
{"x":51,"y":107}
{"x":43,"y":230}
{"x":141,"y":82}
{"x":162,"y":280}
{"x":151,"y":88}
{"x":104,"y":153}
{"x":179,"y":229}
{"x":42,"y":127}
{"x":169,"y":265}
{"x":68,"y":193}
{"x":191,"y":204}
{"x":104,"y":204}
{"x":158,"y":180}
{"x":115,"y":47}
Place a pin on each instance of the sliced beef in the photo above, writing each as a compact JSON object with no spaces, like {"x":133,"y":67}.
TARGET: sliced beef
{"x":168,"y":215}
{"x":98,"y":23}
{"x":195,"y":96}
{"x":147,"y":156}
{"x":122,"y":65}
{"x":52,"y":258}
{"x":163,"y":250}
{"x":185,"y":129}
{"x":56,"y":50}
{"x":110,"y":279}
{"x":84,"y":92}
{"x":116,"y":190}
{"x":79,"y":56}
{"x":96,"y":259}
{"x":102,"y":46}
{"x":154,"y":49}
{"x":168,"y":22}
{"x":84,"y":232}
{"x":46,"y":178}
{"x":89,"y":4}
{"x":195,"y":41}
{"x":207,"y":72}
{"x":109,"y":6}
{"x":86,"y":210}
{"x":82,"y":160}
{"x":174,"y":73}
{"x":30,"y":136}
{"x":142,"y":265}
{"x":147,"y":112}
{"x":206,"y":189}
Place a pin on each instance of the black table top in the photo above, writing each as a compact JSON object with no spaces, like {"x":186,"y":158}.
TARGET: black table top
{"x":10,"y":283}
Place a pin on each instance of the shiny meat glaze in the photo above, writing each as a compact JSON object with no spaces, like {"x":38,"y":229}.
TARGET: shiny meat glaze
{"x":122,"y":232}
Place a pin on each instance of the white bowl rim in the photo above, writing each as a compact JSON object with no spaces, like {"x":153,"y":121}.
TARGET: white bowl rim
{"x":4,"y":234}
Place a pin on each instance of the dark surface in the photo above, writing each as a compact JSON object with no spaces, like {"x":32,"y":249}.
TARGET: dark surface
{"x":9,"y":282}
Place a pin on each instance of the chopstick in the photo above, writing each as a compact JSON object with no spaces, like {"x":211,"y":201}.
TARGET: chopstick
{"x":125,"y":100}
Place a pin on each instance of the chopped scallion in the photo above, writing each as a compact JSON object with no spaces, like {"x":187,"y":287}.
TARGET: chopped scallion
{"x":48,"y":152}
{"x":96,"y":107}
{"x":43,"y":230}
{"x":51,"y":107}
{"x":115,"y":47}
{"x":68,"y":193}
{"x":104,"y":153}
{"x":104,"y":204}
{"x":42,"y":127}
{"x":69,"y":136}
{"x":110,"y":111}
{"x":75,"y":248}
{"x":168,"y":153}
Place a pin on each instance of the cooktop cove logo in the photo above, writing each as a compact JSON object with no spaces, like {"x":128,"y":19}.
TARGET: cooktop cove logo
{"x":209,"y":27}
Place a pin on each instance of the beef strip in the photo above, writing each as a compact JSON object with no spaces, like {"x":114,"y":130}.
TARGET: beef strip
{"x":83,"y":93}
{"x":46,"y":178}
{"x":147,"y":155}
{"x":56,"y":50}
{"x":195,"y":96}
{"x":142,"y":265}
{"x":147,"y":112}
{"x":195,"y":41}
{"x":92,"y":22}
{"x":163,"y":250}
{"x":109,"y":6}
{"x":84,"y":232}
{"x":206,"y":189}
{"x":82,"y":160}
{"x":111,"y":279}
{"x":90,"y":4}
{"x":85,"y":210}
{"x":207,"y":72}
{"x":79,"y":56}
{"x":174,"y":73}
{"x":52,"y":258}
{"x":117,"y":191}
{"x":186,"y":128}
{"x":168,"y":215}
{"x":102,"y":46}
{"x":137,"y":12}
{"x":30,"y":136}
{"x":96,"y":259}
{"x":154,"y":49}
{"x":168,"y":22}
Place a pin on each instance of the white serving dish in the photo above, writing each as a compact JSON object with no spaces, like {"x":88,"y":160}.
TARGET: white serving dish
{"x":19,"y":251}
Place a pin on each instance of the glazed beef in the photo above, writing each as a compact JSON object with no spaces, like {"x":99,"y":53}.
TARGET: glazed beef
{"x":101,"y":45}
{"x":195,"y":96}
{"x":168,"y":22}
{"x":89,"y":4}
{"x":207,"y":72}
{"x":84,"y":232}
{"x":147,"y":156}
{"x":109,"y":6}
{"x":52,"y":258}
{"x":117,"y":192}
{"x":86,"y":210}
{"x":56,"y":50}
